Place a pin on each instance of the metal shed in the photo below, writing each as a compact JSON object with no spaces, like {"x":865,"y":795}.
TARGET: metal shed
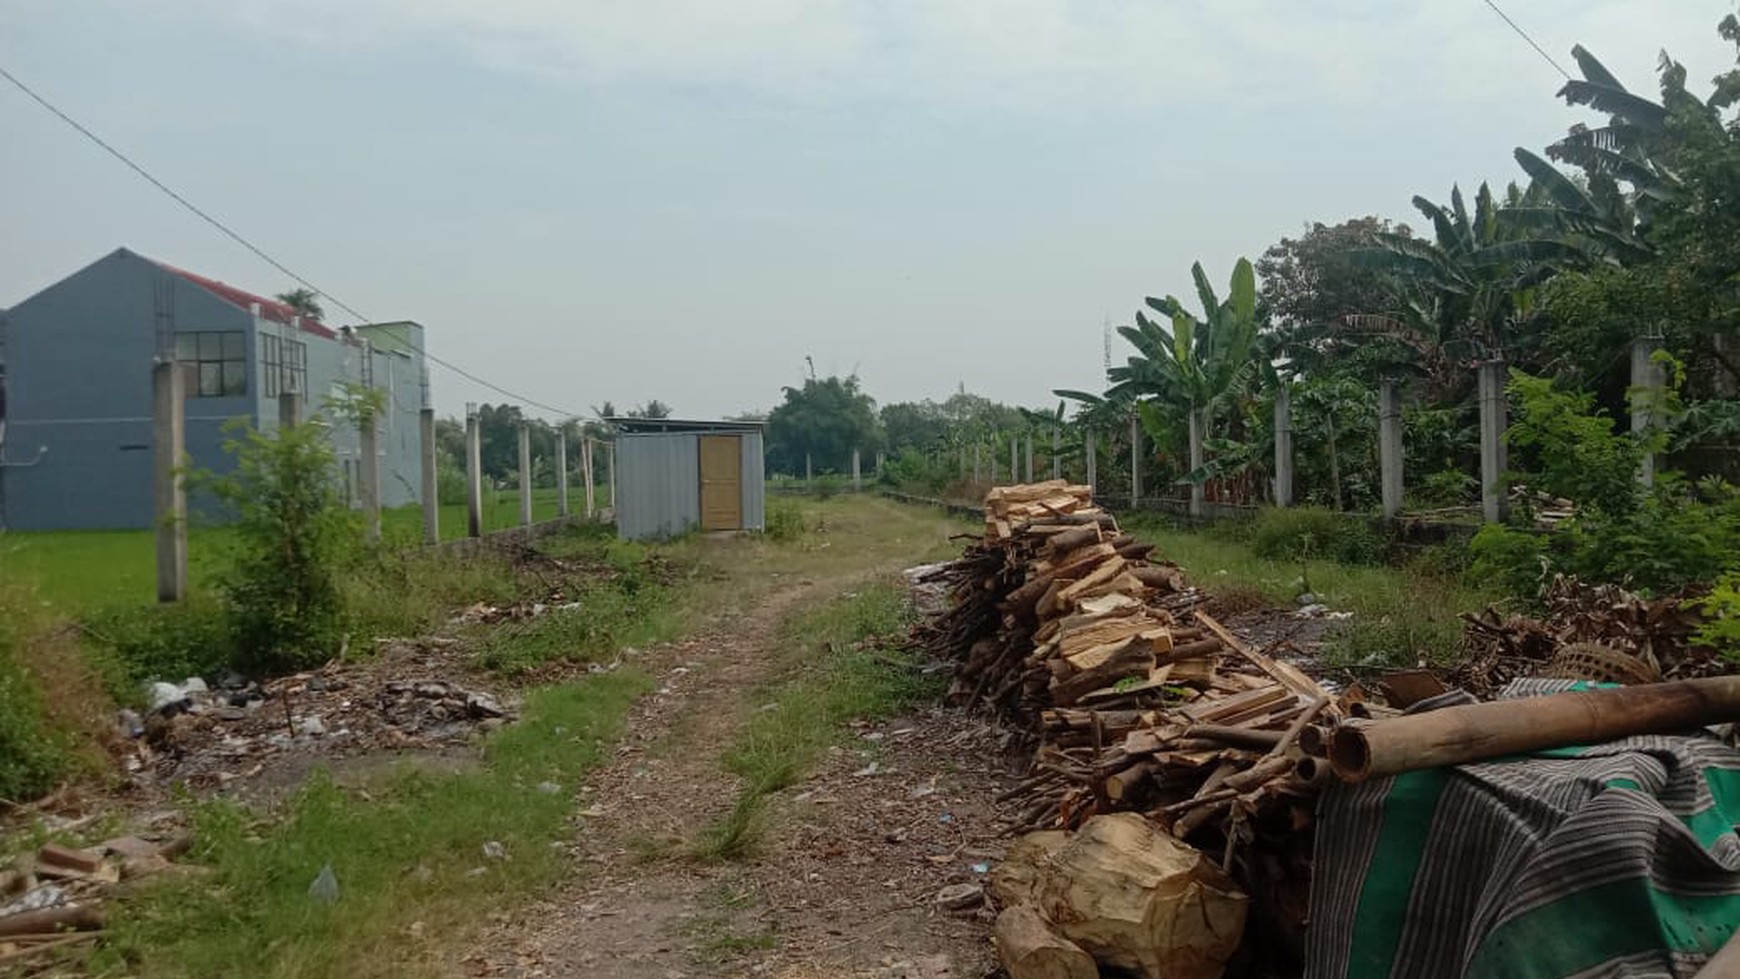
{"x":675,"y":476}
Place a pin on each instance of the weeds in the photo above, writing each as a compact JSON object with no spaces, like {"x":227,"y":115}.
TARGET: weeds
{"x":413,"y":846}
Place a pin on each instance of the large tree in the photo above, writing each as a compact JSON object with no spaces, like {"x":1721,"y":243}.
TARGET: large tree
{"x":822,"y":422}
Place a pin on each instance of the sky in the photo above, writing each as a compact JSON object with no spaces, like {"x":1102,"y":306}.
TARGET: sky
{"x":618,"y":200}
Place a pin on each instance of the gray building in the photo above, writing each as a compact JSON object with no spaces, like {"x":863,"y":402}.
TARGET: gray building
{"x":676,"y":476}
{"x":75,"y":433}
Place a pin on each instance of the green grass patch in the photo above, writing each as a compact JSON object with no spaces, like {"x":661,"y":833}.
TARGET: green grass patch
{"x":1400,"y":615}
{"x":409,"y":850}
{"x":845,"y":662}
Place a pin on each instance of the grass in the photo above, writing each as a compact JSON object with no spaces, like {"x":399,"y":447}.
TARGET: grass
{"x":407,"y":851}
{"x":1400,"y":615}
{"x":85,"y":570}
{"x":845,"y":663}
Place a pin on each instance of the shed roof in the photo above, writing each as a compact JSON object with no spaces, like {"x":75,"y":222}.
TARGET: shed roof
{"x":649,"y":426}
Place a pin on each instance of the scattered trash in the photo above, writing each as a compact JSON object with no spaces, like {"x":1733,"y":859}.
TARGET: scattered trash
{"x":493,"y":850}
{"x":312,"y":726}
{"x":960,"y":897}
{"x":549,"y":788}
{"x":324,"y":890}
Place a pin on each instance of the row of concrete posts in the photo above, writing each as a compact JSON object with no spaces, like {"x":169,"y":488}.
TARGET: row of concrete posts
{"x":170,"y":489}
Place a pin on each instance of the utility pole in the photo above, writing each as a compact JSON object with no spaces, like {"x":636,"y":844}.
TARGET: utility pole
{"x":561,"y":472}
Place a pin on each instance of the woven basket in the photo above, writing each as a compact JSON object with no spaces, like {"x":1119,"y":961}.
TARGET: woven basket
{"x":1601,"y":664}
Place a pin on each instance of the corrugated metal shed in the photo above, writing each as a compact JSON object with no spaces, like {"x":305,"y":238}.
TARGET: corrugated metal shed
{"x":658,"y":475}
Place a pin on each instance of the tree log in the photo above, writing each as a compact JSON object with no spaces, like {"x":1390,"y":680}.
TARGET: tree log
{"x":1031,"y":950}
{"x":1477,"y":732}
{"x":77,"y":917}
{"x":1135,"y":657}
{"x":1069,"y":540}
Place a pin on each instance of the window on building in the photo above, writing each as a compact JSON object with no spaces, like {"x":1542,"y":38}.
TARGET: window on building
{"x":214,"y":362}
{"x":283,"y":365}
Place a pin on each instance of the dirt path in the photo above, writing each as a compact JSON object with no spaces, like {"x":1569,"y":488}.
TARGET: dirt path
{"x":844,"y":885}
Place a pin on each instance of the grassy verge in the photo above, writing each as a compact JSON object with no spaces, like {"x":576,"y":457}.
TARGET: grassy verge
{"x":845,"y":663}
{"x":1400,"y":615}
{"x":408,"y":856}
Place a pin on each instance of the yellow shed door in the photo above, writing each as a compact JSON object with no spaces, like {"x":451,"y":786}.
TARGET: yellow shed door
{"x":721,"y":482}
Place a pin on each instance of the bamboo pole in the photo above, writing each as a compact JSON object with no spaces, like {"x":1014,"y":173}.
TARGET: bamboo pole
{"x":1477,"y":732}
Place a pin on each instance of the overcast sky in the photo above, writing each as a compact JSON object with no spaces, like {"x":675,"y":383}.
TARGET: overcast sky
{"x":586,"y":200}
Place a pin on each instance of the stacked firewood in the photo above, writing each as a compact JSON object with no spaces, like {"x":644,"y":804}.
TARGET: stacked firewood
{"x":1133,"y":698}
{"x":1133,"y":701}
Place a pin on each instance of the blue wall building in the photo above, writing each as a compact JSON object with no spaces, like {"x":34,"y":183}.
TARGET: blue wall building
{"x":76,"y":430}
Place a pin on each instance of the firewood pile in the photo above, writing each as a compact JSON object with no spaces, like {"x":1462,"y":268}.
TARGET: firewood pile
{"x":1588,"y":632}
{"x":1132,"y":698}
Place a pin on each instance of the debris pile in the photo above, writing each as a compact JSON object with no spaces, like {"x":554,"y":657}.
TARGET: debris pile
{"x":206,"y":736}
{"x":53,"y":897}
{"x":1134,"y":700}
{"x":1599,"y":632}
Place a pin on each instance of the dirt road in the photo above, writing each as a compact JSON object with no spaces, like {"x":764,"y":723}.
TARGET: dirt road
{"x":845,"y":880}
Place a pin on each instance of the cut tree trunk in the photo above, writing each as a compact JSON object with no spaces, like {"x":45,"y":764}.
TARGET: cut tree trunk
{"x":1030,"y":949}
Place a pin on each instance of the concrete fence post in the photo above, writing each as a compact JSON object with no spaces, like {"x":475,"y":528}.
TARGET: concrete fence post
{"x":1029,"y":469}
{"x":1090,"y":449}
{"x":169,"y":445}
{"x":431,"y":480}
{"x":610,"y":460}
{"x":1283,"y":446}
{"x":1494,"y":419}
{"x":586,"y":475}
{"x":1135,"y":460}
{"x":1198,"y":422}
{"x":368,"y":429}
{"x":473,"y":473}
{"x":1390,"y":448}
{"x":561,"y":473}
{"x":857,"y":473}
{"x":1056,"y":461}
{"x":1648,"y":387}
{"x":525,"y":474}
{"x":1014,"y":458}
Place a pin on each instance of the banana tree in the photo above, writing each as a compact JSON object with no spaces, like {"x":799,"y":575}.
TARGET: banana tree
{"x":1185,"y":366}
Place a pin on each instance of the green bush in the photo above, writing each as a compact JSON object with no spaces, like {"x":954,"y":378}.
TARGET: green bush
{"x":1513,"y":560}
{"x":162,"y":642}
{"x":1315,"y":534}
{"x":32,"y":759}
{"x":1720,"y":629}
{"x":828,"y":485}
{"x":785,"y":520}
{"x":292,"y":538}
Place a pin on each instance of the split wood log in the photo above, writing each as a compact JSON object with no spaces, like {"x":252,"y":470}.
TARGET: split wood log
{"x":1286,"y":674}
{"x":1477,"y":732}
{"x":1030,"y":949}
{"x":1135,"y":898}
{"x":1069,"y":540}
{"x":1238,"y":737}
{"x":1160,"y":577}
{"x":1135,"y":657}
{"x":1191,"y":650}
{"x":1135,"y":551}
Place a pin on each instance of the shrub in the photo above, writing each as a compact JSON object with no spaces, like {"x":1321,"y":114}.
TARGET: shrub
{"x":292,"y":537}
{"x":30,"y":758}
{"x":162,"y":642}
{"x":1314,"y":533}
{"x":1513,"y":560}
{"x":827,"y":485}
{"x":1720,"y":629}
{"x":785,"y":520}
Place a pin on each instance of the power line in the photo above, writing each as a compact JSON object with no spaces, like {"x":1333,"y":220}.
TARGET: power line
{"x":250,"y":246}
{"x":1525,"y":36}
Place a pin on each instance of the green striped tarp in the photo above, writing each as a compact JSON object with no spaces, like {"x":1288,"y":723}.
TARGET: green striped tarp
{"x":1613,"y":860}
